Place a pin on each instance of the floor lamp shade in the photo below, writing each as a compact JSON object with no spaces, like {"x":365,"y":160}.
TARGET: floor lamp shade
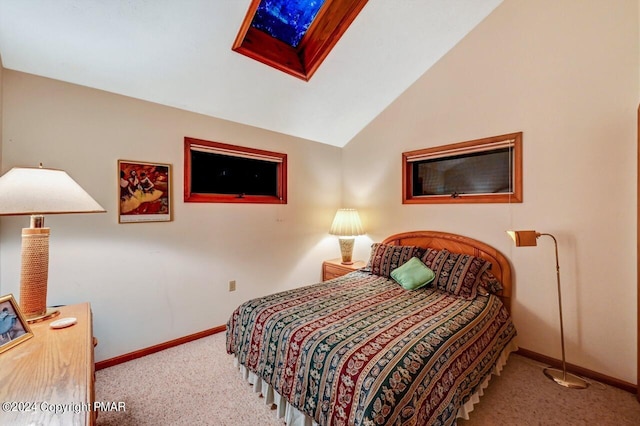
{"x":524,"y":238}
{"x":561,"y":377}
{"x":36,"y":192}
{"x":346,"y":225}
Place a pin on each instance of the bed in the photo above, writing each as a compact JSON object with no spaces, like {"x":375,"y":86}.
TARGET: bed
{"x":362,"y":350}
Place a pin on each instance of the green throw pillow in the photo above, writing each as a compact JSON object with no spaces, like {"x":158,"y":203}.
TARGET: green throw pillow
{"x":413,"y":274}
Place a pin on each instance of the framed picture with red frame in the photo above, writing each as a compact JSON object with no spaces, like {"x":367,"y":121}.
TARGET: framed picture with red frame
{"x":145,"y":192}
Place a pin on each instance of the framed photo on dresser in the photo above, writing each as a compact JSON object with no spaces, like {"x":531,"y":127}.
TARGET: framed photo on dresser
{"x":14,"y":328}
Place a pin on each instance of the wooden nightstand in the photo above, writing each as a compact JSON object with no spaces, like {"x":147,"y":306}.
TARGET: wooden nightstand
{"x":50,"y":376}
{"x":334,"y":268}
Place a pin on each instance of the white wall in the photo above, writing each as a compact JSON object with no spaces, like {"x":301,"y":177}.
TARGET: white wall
{"x":566,"y":74}
{"x":1,"y":70}
{"x":1,"y":121}
{"x":152,"y":282}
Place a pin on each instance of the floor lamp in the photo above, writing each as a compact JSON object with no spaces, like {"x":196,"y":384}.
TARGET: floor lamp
{"x":561,"y":377}
{"x":346,"y":225}
{"x":36,"y":192}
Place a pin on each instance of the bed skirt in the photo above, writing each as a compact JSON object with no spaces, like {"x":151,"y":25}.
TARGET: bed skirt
{"x":294,"y":417}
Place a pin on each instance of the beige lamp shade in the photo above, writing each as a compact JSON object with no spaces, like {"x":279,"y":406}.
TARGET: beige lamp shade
{"x":36,"y":192}
{"x":346,"y":223}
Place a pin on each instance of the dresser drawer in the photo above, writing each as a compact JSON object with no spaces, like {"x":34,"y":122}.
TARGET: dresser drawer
{"x":334,"y":268}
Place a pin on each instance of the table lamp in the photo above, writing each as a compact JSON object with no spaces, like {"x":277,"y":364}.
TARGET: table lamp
{"x":36,"y":192}
{"x":561,"y":377}
{"x":346,"y":225}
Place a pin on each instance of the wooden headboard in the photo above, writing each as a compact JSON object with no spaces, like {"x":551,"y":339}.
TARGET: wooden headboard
{"x":500,"y":266}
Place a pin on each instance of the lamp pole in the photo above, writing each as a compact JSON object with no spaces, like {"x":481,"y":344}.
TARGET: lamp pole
{"x":567,"y":379}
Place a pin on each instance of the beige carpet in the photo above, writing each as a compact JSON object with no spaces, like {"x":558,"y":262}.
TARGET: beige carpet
{"x":196,"y":384}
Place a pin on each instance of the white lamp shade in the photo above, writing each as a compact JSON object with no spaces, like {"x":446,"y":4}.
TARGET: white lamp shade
{"x":346,"y":223}
{"x":39,"y":191}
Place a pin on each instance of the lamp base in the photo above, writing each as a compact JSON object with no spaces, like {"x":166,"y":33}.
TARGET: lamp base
{"x":34,"y":271}
{"x":567,"y":380}
{"x":50,"y":313}
{"x":346,"y":249}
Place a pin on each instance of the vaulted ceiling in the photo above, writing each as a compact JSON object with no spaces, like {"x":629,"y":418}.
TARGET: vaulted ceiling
{"x":179,"y":53}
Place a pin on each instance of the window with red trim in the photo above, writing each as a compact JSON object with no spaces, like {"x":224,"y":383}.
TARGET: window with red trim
{"x":216,"y":172}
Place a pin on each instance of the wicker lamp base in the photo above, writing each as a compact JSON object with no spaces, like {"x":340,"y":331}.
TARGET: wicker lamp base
{"x":34,"y":274}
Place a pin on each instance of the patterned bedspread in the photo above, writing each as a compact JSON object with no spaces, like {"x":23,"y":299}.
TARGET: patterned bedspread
{"x":361,"y":350}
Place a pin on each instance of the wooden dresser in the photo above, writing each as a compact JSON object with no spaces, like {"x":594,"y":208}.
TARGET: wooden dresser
{"x":49,"y":379}
{"x":334,"y":268}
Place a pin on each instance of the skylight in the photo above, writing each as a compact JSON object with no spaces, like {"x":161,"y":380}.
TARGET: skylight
{"x":286,"y":20}
{"x":294,"y":36}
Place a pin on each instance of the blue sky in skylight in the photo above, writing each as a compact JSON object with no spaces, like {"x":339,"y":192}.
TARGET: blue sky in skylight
{"x":286,"y":20}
